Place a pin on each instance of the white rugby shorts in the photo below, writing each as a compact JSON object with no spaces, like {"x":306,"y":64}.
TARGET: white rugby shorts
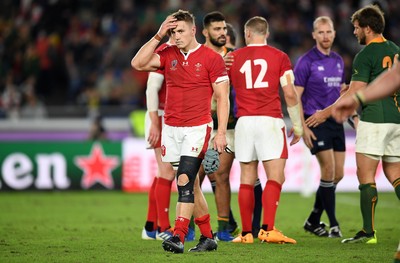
{"x":379,"y":140}
{"x":184,"y":141}
{"x":260,"y":138}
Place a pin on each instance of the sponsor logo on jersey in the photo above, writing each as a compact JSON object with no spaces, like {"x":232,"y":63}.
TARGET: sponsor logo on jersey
{"x":195,"y":149}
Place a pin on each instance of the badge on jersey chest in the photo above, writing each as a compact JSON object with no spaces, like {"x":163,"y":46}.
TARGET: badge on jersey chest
{"x":198,"y":67}
{"x":173,"y":64}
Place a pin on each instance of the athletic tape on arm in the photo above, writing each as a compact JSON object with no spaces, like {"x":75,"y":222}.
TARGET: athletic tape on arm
{"x":287,"y":77}
{"x":154,"y":84}
{"x":294,"y":114}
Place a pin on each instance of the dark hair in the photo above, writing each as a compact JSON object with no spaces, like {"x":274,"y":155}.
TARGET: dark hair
{"x":214,"y":16}
{"x":182,"y":15}
{"x":371,"y":16}
{"x":231,"y":32}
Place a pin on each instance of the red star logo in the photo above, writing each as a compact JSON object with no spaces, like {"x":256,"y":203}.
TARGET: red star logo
{"x":97,"y":167}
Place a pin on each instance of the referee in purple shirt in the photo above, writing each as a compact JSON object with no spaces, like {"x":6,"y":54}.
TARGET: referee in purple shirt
{"x":319,"y":79}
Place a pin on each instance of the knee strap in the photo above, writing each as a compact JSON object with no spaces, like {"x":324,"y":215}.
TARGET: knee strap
{"x":189,"y":166}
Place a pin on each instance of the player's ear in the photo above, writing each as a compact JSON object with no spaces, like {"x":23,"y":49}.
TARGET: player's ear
{"x":205,"y":32}
{"x":247,"y":33}
{"x":193,"y":30}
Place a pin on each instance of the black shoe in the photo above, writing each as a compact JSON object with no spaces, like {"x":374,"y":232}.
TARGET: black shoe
{"x":362,"y":237}
{"x":173,"y":244}
{"x":255,"y":231}
{"x":205,"y":244}
{"x":318,"y":230}
{"x":233,"y":229}
{"x":335,"y":232}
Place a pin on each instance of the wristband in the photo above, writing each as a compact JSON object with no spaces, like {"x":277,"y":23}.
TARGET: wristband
{"x":354,"y":116}
{"x":157,"y":37}
{"x":360,"y":98}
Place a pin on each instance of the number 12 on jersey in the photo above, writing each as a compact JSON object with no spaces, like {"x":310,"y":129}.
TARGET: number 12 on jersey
{"x":246,"y":69}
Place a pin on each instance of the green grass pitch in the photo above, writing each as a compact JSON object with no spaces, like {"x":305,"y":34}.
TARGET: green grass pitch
{"x":106,"y":226}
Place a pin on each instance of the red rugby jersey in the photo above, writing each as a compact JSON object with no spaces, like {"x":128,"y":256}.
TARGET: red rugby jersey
{"x":189,"y":81}
{"x":255,"y":76}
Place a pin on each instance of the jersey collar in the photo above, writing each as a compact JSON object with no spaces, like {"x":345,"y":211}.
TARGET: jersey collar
{"x":190,"y":51}
{"x":379,"y":39}
{"x":257,"y":45}
{"x":320,"y":54}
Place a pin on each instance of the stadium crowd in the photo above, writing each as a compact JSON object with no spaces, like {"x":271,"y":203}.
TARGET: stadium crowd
{"x":77,"y":52}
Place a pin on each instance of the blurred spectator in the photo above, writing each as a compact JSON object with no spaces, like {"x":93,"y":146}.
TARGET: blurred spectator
{"x":32,"y":107}
{"x":74,"y":77}
{"x":105,"y":85}
{"x":31,"y":62}
{"x":11,"y":98}
{"x":91,"y":98}
{"x":66,"y":44}
{"x":97,"y":131}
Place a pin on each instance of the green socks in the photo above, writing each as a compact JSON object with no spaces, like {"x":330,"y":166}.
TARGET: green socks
{"x":396,"y":185}
{"x":368,"y":201}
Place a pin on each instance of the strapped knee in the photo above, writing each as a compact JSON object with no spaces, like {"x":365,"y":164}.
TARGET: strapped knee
{"x":188,"y":166}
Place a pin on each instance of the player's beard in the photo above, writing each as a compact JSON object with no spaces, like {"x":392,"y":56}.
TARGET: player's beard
{"x":362,"y":39}
{"x":326,"y":44}
{"x":218,"y":43}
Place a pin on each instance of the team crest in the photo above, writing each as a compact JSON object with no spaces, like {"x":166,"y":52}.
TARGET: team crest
{"x":173,"y":64}
{"x":198,"y":67}
{"x":163,"y":150}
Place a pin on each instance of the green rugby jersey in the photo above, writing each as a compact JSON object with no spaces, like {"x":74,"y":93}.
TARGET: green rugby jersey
{"x":368,"y":64}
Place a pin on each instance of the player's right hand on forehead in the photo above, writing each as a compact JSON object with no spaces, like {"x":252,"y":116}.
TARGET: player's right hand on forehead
{"x":168,"y":24}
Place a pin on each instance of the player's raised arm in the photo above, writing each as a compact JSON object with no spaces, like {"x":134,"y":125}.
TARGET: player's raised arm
{"x":145,"y":59}
{"x":390,"y":80}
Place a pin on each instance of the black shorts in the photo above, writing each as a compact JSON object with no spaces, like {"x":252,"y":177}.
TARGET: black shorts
{"x":330,"y":135}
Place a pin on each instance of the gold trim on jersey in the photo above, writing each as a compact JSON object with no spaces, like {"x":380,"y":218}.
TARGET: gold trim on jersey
{"x":224,"y":51}
{"x":396,"y":103}
{"x":379,"y":39}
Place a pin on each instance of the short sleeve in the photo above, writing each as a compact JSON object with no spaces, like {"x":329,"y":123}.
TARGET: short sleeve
{"x":301,"y":72}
